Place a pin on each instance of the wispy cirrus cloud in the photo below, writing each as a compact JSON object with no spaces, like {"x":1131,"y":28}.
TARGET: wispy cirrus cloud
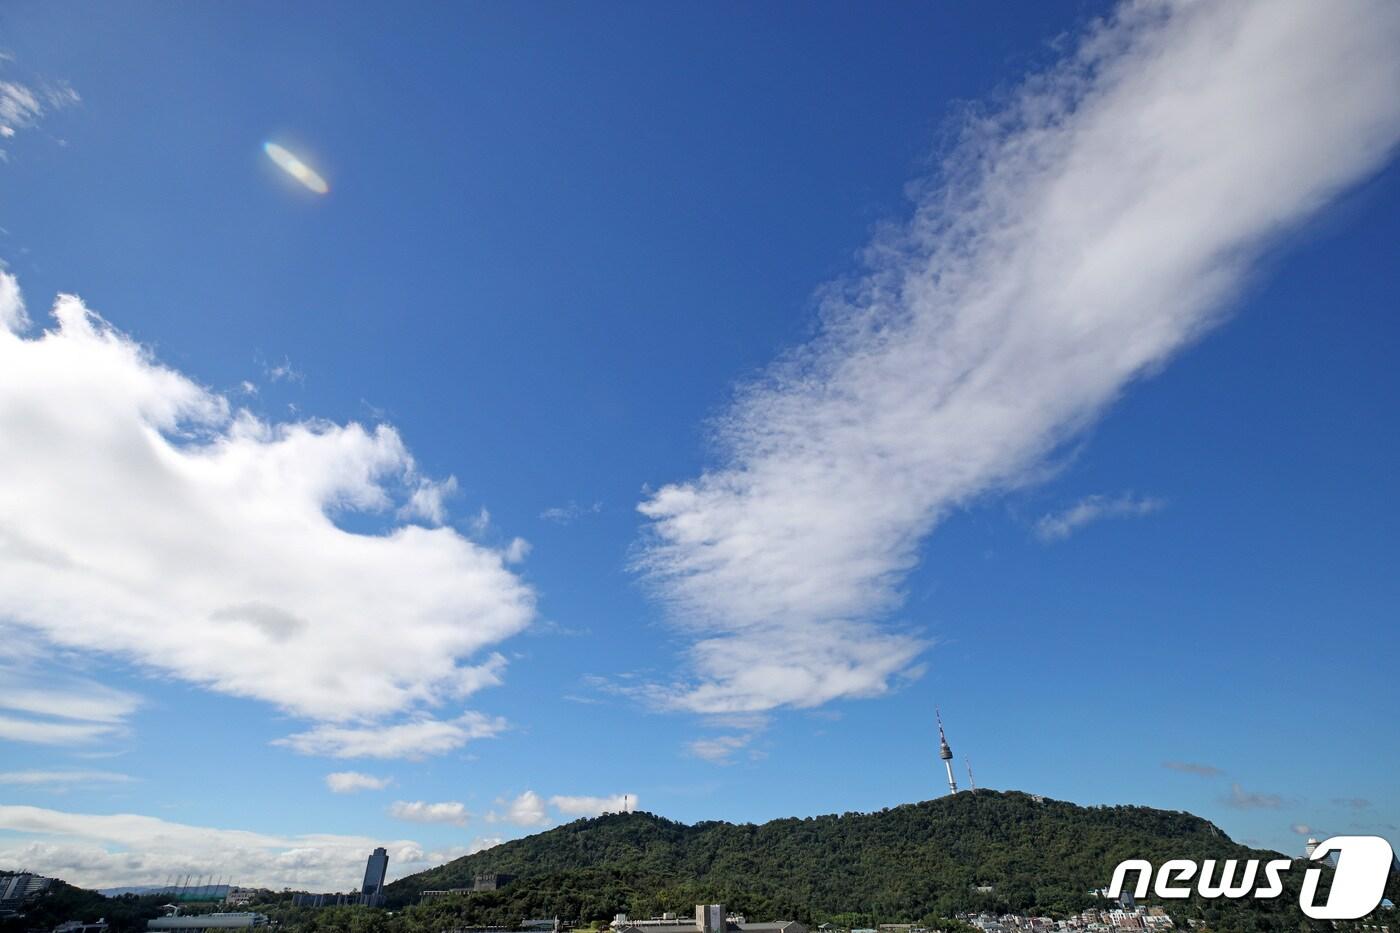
{"x":1191,"y":767}
{"x":1075,"y":240}
{"x":24,"y":105}
{"x":135,"y":503}
{"x":51,"y":732}
{"x":42,"y":707}
{"x":1056,"y":526}
{"x":89,"y":701}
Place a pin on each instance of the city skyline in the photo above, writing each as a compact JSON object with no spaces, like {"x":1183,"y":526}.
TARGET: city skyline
{"x":449,"y":427}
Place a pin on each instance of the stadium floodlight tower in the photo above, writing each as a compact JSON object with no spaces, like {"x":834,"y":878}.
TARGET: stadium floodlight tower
{"x":945,"y":753}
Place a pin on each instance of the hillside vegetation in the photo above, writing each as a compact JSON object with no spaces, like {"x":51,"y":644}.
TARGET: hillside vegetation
{"x":918,"y":862}
{"x":905,"y":863}
{"x":63,"y":902}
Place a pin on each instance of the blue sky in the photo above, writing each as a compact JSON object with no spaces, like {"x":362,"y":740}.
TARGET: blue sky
{"x":1095,"y":449}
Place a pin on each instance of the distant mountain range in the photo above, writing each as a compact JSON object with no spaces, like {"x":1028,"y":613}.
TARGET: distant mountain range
{"x":139,"y":890}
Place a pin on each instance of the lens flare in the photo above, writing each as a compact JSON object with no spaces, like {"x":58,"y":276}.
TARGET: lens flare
{"x":296,"y":168}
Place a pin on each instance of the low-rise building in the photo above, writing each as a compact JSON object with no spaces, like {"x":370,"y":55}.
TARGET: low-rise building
{"x":189,"y":923}
{"x":78,"y":926}
{"x":709,"y":918}
{"x":483,"y":881}
{"x":16,"y":887}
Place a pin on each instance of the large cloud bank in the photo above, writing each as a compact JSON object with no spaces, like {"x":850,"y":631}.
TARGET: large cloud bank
{"x":111,"y":850}
{"x":143,"y":515}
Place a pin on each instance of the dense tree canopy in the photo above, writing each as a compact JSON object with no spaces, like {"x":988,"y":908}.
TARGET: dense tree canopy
{"x":912,"y":862}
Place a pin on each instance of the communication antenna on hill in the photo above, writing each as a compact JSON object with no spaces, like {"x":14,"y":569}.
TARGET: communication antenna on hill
{"x":971,"y":784}
{"x":945,"y":753}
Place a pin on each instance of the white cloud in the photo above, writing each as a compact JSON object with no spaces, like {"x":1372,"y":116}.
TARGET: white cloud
{"x":525,"y":810}
{"x":1057,"y":526}
{"x":481,"y":844}
{"x":719,"y":748}
{"x":418,"y":811}
{"x":593,"y":806}
{"x":1303,"y":829}
{"x":63,"y":778}
{"x":416,"y":739}
{"x":428,"y":501}
{"x":100,"y":850}
{"x":1073,"y":243}
{"x":529,"y":809}
{"x":516,"y":551}
{"x":13,"y":316}
{"x":349,"y":782}
{"x":143,"y":516}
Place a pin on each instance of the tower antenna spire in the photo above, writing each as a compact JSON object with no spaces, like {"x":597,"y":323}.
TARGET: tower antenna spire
{"x":945,"y":752}
{"x":971,"y":784}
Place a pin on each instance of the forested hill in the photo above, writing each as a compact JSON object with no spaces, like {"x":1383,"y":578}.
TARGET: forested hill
{"x":903,"y":863}
{"x":62,"y":901}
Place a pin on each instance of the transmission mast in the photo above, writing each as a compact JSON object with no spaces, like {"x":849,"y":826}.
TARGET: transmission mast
{"x":945,"y":753}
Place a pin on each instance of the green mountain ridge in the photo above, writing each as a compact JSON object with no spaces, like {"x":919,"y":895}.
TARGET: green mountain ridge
{"x":903,"y":863}
{"x":983,"y":851}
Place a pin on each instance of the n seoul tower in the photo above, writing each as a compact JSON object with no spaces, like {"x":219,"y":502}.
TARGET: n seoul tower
{"x":945,"y":753}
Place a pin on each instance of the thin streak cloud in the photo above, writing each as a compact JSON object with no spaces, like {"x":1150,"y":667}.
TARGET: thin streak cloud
{"x":1057,"y":526}
{"x":1072,"y":243}
{"x":1192,"y":767}
{"x":54,"y":779}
